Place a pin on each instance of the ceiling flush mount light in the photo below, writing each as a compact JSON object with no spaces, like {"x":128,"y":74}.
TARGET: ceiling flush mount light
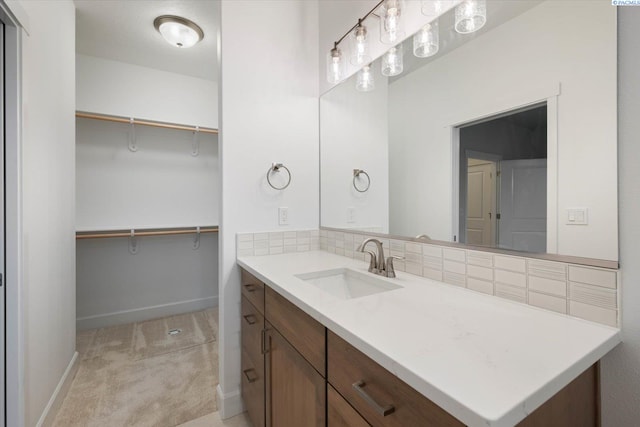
{"x":359,"y":45}
{"x":177,"y":31}
{"x":426,"y":42}
{"x":335,"y":65}
{"x":471,"y":15}
{"x":391,"y":28}
{"x":392,"y":63}
{"x":364,"y":80}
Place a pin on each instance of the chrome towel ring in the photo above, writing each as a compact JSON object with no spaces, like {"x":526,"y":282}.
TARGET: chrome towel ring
{"x":356,"y":174}
{"x":275,"y":167}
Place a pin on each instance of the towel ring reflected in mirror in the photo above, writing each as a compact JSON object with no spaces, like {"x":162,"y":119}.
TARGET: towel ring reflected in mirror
{"x":356,"y":175}
{"x":275,"y":167}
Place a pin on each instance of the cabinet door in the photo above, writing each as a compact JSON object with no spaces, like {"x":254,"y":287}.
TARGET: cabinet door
{"x":295,"y":390}
{"x":252,"y":362}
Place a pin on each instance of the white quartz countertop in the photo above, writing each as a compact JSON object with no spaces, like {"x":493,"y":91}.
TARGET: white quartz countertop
{"x":485,"y":360}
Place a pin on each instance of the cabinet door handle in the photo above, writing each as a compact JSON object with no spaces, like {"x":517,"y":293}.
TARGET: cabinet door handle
{"x":382,"y":410}
{"x":251,"y":319}
{"x":250,"y":287}
{"x":263,"y":342}
{"x":249,"y":378}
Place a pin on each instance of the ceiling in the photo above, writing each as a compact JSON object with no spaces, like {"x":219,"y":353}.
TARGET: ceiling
{"x":122,"y":30}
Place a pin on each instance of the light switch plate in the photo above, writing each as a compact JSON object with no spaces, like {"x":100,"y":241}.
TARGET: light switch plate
{"x":283,"y":216}
{"x":578,"y":216}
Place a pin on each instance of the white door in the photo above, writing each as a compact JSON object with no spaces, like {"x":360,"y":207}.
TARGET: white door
{"x":2,"y":233}
{"x":523,"y":205}
{"x":480,"y":202}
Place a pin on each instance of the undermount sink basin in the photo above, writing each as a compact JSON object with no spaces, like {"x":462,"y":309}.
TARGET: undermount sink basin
{"x":346,"y":283}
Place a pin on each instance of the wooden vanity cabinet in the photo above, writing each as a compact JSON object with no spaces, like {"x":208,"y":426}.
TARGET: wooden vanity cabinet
{"x":252,"y":362}
{"x":340,"y":413}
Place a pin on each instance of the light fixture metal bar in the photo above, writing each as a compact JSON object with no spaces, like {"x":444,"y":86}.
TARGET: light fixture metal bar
{"x":361,"y":20}
{"x":140,"y":122}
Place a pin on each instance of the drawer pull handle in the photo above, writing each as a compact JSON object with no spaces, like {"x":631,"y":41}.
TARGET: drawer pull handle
{"x":250,"y":287}
{"x":263,"y":342}
{"x":249,"y":378}
{"x":382,"y":410}
{"x":251,"y":319}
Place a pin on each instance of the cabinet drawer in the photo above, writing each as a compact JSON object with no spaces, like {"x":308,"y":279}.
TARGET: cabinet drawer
{"x":252,"y":326}
{"x":253,"y":289}
{"x":340,"y":413}
{"x":253,"y":389}
{"x":379,"y":390}
{"x":301,"y":330}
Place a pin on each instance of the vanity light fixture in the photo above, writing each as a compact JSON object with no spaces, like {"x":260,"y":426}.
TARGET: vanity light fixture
{"x":364,"y":80}
{"x":432,"y":7}
{"x":392,"y":61}
{"x":335,"y":65}
{"x":426,"y":42}
{"x":177,"y":31}
{"x":391,"y":25}
{"x":359,"y":45}
{"x":470,"y":16}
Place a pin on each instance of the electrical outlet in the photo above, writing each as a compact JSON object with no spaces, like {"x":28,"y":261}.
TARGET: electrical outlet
{"x":283,"y":216}
{"x":351,"y":215}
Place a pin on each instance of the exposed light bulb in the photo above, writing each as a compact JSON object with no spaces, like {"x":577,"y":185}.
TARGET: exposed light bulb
{"x":426,"y":42}
{"x":392,"y":61}
{"x":359,"y":42}
{"x":335,"y":66}
{"x":364,"y":79}
{"x":391,"y":28}
{"x":433,"y":7}
{"x":471,"y":15}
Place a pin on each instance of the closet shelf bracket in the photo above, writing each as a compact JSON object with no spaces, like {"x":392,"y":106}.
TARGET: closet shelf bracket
{"x":195,"y":144}
{"x":133,"y":242}
{"x":196,"y":241}
{"x":133,"y":147}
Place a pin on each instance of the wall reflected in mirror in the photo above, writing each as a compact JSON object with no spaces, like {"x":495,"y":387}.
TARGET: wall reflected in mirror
{"x":496,"y":140}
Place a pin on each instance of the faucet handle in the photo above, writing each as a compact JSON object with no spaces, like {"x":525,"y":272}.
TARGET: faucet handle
{"x":391,"y":272}
{"x":372,"y":262}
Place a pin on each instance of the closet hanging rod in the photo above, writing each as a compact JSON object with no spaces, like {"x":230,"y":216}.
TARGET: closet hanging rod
{"x":156,"y":232}
{"x":116,"y":119}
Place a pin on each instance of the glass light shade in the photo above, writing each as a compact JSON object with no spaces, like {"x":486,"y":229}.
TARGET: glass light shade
{"x":426,"y":41}
{"x":335,"y":66}
{"x":392,"y":61}
{"x":391,"y":22}
{"x":177,"y":31}
{"x":471,"y":15}
{"x":359,"y":46}
{"x":432,"y":7}
{"x":364,"y":79}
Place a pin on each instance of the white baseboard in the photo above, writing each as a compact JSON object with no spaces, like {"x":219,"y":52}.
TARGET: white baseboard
{"x":144,"y":313}
{"x":229,"y":404}
{"x":54,"y":404}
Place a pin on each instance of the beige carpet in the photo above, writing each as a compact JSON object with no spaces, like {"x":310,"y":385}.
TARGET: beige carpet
{"x":140,"y":375}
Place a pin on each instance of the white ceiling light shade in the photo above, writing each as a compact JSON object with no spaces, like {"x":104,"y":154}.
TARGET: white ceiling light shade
{"x":471,"y":15}
{"x":177,"y":31}
{"x":391,"y":25}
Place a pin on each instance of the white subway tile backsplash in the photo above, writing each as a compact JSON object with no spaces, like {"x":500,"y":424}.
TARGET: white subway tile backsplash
{"x":483,"y":273}
{"x":314,"y":233}
{"x":510,"y":263}
{"x":480,"y":285}
{"x":454,"y":278}
{"x":481,"y":259}
{"x":593,"y":276}
{"x":432,"y":251}
{"x":432,"y":262}
{"x":303,"y":248}
{"x":511,"y":292}
{"x":593,"y":295}
{"x":245,"y":252}
{"x":245,"y":237}
{"x":548,"y":286}
{"x":245,"y":245}
{"x":432,"y":274}
{"x":275,"y":250}
{"x":290,"y":241}
{"x":276,"y":242}
{"x":548,"y":302}
{"x":593,"y":313}
{"x":276,"y":235}
{"x":260,"y":236}
{"x":454,"y":267}
{"x":454,"y":254}
{"x":264,"y":251}
{"x":415,"y":248}
{"x":290,"y":234}
{"x":413,"y":268}
{"x":547,"y":269}
{"x":412,"y":257}
{"x":510,"y":278}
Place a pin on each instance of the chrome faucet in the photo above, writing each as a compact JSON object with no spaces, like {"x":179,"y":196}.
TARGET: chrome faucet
{"x":377,"y":263}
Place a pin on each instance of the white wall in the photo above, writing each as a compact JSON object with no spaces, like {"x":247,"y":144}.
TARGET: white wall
{"x":354,"y":135}
{"x":429,"y":99}
{"x":120,"y":89}
{"x":621,"y":368}
{"x":48,"y":199}
{"x":269,"y":113}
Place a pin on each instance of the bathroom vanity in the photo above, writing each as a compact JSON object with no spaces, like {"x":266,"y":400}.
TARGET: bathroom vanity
{"x":325,"y":343}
